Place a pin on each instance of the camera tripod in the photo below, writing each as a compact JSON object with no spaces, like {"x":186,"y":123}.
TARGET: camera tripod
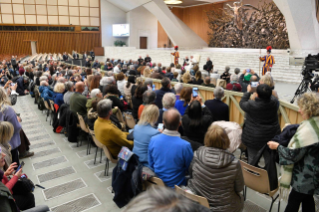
{"x":302,"y":88}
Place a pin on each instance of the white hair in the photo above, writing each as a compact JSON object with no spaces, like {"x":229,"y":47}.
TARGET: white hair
{"x":168,"y":100}
{"x":106,"y":81}
{"x":234,"y":78}
{"x":95,"y":92}
{"x":219,"y":92}
{"x":178,"y":87}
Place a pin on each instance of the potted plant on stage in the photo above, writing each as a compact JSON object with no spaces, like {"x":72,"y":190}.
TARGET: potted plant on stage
{"x":119,"y":43}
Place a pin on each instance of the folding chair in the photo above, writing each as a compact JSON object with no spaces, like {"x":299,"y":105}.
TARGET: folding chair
{"x":200,"y":200}
{"x":257,"y":180}
{"x":85,"y":129}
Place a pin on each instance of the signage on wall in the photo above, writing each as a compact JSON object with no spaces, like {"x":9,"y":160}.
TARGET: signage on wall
{"x":121,"y":30}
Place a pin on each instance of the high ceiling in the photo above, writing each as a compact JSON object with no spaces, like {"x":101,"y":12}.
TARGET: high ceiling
{"x":189,"y":3}
{"x":127,"y":5}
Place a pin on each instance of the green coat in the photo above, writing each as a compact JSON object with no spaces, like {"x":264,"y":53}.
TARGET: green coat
{"x":78,"y":104}
{"x":305,"y":174}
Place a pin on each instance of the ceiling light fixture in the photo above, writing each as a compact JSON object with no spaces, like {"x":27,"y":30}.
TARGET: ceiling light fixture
{"x":173,"y":1}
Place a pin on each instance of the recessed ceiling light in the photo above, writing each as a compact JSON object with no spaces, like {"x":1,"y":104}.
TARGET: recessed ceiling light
{"x":173,"y":1}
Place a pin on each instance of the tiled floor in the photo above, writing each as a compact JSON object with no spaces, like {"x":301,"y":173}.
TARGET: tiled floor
{"x":72,"y":182}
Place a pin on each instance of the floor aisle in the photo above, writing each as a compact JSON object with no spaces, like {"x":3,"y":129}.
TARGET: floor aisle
{"x":72,"y":182}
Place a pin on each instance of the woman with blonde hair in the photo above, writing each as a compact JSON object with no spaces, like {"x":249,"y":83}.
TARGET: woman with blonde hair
{"x":186,"y":78}
{"x":144,"y":131}
{"x":220,"y":178}
{"x":59,"y":89}
{"x":6,"y":133}
{"x":8,"y":114}
{"x":147,"y":72}
{"x":299,"y":160}
{"x":198,"y":78}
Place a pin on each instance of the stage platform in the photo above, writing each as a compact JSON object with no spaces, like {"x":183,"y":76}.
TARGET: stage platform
{"x":283,"y":71}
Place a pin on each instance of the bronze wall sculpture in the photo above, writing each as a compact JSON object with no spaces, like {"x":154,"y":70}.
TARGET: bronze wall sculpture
{"x":245,"y":26}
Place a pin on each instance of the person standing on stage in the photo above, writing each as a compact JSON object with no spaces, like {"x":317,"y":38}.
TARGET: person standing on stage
{"x":269,"y":61}
{"x":176,"y":55}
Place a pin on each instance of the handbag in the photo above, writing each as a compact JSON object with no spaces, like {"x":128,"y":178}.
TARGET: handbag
{"x":23,"y":186}
{"x":129,"y":120}
{"x":270,"y":166}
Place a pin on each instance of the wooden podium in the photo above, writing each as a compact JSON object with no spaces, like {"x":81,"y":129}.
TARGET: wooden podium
{"x":99,"y":51}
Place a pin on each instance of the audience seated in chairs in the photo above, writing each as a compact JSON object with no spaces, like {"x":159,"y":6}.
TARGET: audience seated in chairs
{"x":45,"y":91}
{"x":95,"y":94}
{"x":144,"y":131}
{"x":220,"y":178}
{"x":233,"y":85}
{"x":106,"y":132}
{"x":59,"y":89}
{"x":127,"y":89}
{"x":137,"y":99}
{"x":114,"y":94}
{"x":168,"y":102}
{"x":148,"y":98}
{"x":69,"y":87}
{"x":184,"y":99}
{"x":218,"y":109}
{"x":178,"y":89}
{"x":121,"y":82}
{"x":207,"y":82}
{"x":196,"y":120}
{"x":78,"y":101}
{"x":169,"y":155}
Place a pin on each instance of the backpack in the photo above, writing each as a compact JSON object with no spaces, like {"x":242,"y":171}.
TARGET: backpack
{"x":41,"y":105}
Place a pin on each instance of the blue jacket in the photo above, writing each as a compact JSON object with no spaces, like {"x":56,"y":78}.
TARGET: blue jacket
{"x":9,"y":115}
{"x":170,"y":156}
{"x":159,"y":96}
{"x":58,"y":99}
{"x":46,"y":93}
{"x":142,"y":137}
{"x":179,"y":105}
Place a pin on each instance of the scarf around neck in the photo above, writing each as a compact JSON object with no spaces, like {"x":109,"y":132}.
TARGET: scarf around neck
{"x":307,"y":134}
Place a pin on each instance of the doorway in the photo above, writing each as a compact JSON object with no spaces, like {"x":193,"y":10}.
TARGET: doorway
{"x":143,"y":42}
{"x":34,"y":47}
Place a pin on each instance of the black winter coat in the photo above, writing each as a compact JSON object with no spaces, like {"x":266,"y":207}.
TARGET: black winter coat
{"x":197,"y":133}
{"x":261,"y":123}
{"x":127,"y":184}
{"x":286,"y":135}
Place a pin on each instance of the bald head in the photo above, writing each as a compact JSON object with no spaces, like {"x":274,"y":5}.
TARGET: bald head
{"x":79,"y":87}
{"x":253,"y":78}
{"x":172,"y":119}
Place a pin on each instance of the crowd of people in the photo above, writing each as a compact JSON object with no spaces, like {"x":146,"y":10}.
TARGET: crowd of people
{"x":177,"y":135}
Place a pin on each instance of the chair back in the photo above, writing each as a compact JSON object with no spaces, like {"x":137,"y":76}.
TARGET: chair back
{"x":108,"y":154}
{"x":83,"y":126}
{"x":119,"y":117}
{"x":46,"y":104}
{"x":129,"y":120}
{"x":255,"y":178}
{"x":201,"y":200}
{"x":52,"y":105}
{"x":154,"y":181}
{"x":97,"y":143}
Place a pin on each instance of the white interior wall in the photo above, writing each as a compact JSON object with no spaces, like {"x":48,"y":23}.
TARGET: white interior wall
{"x":110,"y":14}
{"x":142,"y":24}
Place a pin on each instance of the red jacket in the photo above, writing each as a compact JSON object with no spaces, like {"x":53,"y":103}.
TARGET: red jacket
{"x":230,"y":87}
{"x":10,"y":183}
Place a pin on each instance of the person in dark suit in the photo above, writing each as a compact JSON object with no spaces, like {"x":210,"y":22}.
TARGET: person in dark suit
{"x":166,"y":88}
{"x":65,"y":56}
{"x":148,"y":59}
{"x":208,"y":66}
{"x":87,"y":63}
{"x":92,"y":54}
{"x":219,"y":109}
{"x":75,"y":55}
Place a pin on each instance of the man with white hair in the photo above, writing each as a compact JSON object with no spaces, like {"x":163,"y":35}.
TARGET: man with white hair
{"x":233,"y":85}
{"x":104,"y":82}
{"x":178,"y":89}
{"x":106,"y":132}
{"x":95,"y":94}
{"x":219,"y":110}
{"x":132,"y":70}
{"x":168,"y":102}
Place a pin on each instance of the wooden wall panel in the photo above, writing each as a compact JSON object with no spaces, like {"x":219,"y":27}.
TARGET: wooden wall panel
{"x":194,"y":17}
{"x":49,"y":42}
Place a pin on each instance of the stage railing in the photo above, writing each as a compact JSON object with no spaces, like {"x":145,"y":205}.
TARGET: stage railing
{"x":288,"y":113}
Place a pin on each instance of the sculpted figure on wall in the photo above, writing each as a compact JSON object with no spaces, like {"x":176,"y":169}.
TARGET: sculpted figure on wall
{"x":245,"y":26}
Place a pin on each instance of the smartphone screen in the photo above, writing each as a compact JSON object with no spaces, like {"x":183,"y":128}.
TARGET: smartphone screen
{"x":21,"y":166}
{"x":153,"y":87}
{"x":12,"y":84}
{"x":254,"y":84}
{"x":160,"y":126}
{"x":195,"y":92}
{"x":248,"y":70}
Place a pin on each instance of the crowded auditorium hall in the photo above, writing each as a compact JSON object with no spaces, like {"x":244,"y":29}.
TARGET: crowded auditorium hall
{"x":159,"y":105}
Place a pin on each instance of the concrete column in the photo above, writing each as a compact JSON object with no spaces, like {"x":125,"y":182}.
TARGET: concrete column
{"x":302,"y":24}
